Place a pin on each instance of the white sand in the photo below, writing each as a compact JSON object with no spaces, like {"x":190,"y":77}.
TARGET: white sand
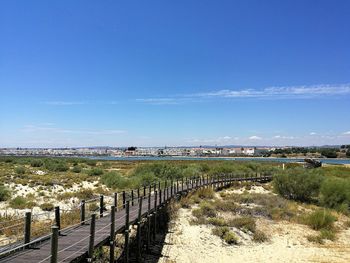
{"x":50,"y":196}
{"x":288,"y":243}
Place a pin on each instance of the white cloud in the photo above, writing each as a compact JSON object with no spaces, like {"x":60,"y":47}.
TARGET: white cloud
{"x":313,"y":133}
{"x":255,"y":138}
{"x":283,"y":92}
{"x":346,"y":133}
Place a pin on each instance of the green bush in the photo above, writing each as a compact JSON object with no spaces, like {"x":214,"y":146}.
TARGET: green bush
{"x":230,"y":238}
{"x":95,"y":172}
{"x":116,"y":180}
{"x":18,"y":202}
{"x":20,"y":170}
{"x":226,"y":206}
{"x":298,"y":184}
{"x":36,"y":163}
{"x":4,"y":193}
{"x":320,"y":219}
{"x":217,"y":221}
{"x":335,"y":193}
{"x":243,"y":223}
{"x":56,"y":165}
{"x":146,"y":178}
{"x":220,"y":231}
{"x":224,"y":232}
{"x":260,"y":237}
{"x":160,"y":170}
{"x":47,"y":207}
{"x":205,"y":193}
{"x":76,"y":169}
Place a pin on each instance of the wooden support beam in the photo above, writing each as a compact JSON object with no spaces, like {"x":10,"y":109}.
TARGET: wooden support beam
{"x":82,"y":212}
{"x":127,"y":211}
{"x":139,"y":231}
{"x":92,"y":238}
{"x":124,"y":199}
{"x":57,"y":217}
{"x":27,"y":227}
{"x":101,"y":206}
{"x":54,"y":244}
{"x":112,"y":235}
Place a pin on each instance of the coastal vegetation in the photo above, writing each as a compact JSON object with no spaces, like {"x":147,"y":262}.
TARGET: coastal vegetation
{"x":313,"y":197}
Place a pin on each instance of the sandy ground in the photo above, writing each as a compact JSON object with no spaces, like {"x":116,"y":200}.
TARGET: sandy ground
{"x":288,"y":243}
{"x":23,"y":190}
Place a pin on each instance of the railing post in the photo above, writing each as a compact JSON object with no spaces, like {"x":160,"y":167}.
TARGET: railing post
{"x":54,"y":244}
{"x":101,"y":206}
{"x":149,"y":220}
{"x":112,"y":235}
{"x":27,"y":227}
{"x":138,"y":194}
{"x":116,"y":201}
{"x":57,"y":217}
{"x":160,"y":197}
{"x":82,"y":212}
{"x":124,"y":199}
{"x":171,"y":188}
{"x":182,"y":184}
{"x":92,"y":238}
{"x":127,"y":209}
{"x":155,"y":215}
{"x":144,"y":191}
{"x":139,"y":231}
{"x":132,"y":197}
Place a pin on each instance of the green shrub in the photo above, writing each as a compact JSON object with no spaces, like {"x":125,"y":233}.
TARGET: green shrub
{"x":335,"y":193}
{"x":324,"y":234}
{"x":243,"y":223}
{"x":47,"y":206}
{"x":226,"y":206}
{"x":217,"y":221}
{"x":205,"y":193}
{"x":18,"y":202}
{"x":230,"y":238}
{"x":76,"y":169}
{"x":298,"y":184}
{"x":95,"y":172}
{"x":91,"y":162}
{"x":20,"y":170}
{"x":220,"y":231}
{"x":328,"y":234}
{"x":4,"y":193}
{"x":146,"y":178}
{"x":115,"y":180}
{"x":315,"y":239}
{"x":208,"y":209}
{"x":55,"y":165}
{"x":224,"y":232}
{"x":36,"y":163}
{"x":320,"y":219}
{"x":259,"y":236}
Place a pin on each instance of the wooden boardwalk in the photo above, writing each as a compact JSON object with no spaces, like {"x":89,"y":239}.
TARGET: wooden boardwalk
{"x":73,"y":243}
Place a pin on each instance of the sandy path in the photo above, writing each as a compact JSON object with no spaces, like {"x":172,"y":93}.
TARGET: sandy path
{"x":192,"y":243}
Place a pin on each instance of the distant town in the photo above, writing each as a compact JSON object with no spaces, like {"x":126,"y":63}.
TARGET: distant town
{"x":138,"y":151}
{"x":202,"y":151}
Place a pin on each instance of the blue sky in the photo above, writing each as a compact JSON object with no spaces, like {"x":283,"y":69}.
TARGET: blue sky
{"x":146,"y":73}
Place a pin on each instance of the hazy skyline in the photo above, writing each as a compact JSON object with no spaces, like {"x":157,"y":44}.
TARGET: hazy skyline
{"x":155,"y":73}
